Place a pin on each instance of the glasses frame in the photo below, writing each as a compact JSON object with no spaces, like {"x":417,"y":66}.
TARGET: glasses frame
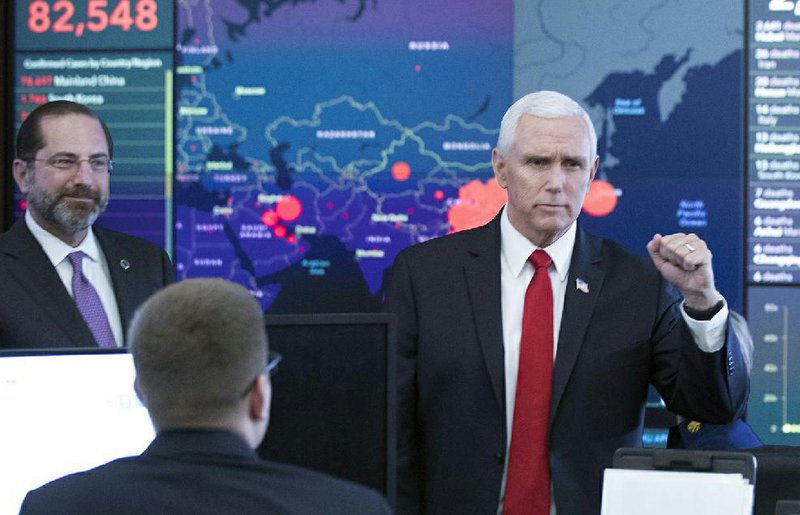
{"x":273,"y":359}
{"x":76,"y":166}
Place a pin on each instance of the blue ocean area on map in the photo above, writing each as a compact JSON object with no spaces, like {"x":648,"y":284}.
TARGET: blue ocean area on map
{"x":315,"y":143}
{"x":693,"y":155}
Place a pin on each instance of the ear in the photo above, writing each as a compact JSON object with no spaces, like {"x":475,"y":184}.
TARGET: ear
{"x":260,"y":398}
{"x":595,"y":166}
{"x":21,"y":175}
{"x":500,"y":166}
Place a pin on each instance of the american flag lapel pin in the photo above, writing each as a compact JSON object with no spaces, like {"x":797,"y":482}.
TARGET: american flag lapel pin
{"x":581,"y":285}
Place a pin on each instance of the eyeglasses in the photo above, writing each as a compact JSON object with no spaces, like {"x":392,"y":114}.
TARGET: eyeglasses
{"x":98,"y":165}
{"x":272,"y":363}
{"x":269,"y":370}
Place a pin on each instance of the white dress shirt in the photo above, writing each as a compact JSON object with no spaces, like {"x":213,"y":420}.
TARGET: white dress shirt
{"x":95,"y":268}
{"x":515,"y":275}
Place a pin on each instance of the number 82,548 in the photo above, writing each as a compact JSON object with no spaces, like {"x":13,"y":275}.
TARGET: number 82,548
{"x":143,"y":17}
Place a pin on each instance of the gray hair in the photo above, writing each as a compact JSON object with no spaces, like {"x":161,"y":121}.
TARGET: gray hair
{"x":545,"y":104}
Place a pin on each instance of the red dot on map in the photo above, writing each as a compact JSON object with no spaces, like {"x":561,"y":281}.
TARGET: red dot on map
{"x":193,"y":147}
{"x":291,"y":239}
{"x":601,"y":198}
{"x":330,"y":205}
{"x":345,"y":216}
{"x":411,"y":211}
{"x":417,"y":68}
{"x":279,"y":231}
{"x":401,"y":171}
{"x":269,"y":218}
{"x":289,"y":208}
{"x":477,"y":204}
{"x":438,"y":195}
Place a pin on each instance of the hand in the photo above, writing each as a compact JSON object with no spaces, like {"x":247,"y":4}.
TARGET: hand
{"x":685,"y":261}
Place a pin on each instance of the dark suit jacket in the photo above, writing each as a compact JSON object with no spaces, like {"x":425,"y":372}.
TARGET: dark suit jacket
{"x":625,"y":333}
{"x":201,"y":472}
{"x":36,"y":311}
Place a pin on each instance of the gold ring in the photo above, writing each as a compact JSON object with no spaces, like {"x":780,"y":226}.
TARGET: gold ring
{"x":691,"y":249}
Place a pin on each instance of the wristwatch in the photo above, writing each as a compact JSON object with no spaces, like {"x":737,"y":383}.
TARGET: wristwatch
{"x":704,"y":314}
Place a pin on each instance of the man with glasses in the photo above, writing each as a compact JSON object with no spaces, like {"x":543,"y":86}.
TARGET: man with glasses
{"x":66,"y":282}
{"x":199,"y":349}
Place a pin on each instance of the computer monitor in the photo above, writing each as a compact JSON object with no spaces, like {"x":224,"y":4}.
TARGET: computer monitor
{"x":333,"y":408}
{"x":65,"y":411}
{"x":333,"y":405}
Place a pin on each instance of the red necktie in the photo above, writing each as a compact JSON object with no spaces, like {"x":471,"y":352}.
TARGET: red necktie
{"x":528,"y":476}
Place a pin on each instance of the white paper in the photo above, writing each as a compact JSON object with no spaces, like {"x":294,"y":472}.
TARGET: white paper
{"x":634,"y":492}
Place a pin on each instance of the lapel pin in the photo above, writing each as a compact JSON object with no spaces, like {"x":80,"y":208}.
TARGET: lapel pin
{"x":581,"y":285}
{"x":124,"y":264}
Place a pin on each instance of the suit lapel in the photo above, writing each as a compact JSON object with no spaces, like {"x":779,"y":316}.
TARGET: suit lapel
{"x":34,"y":272}
{"x":119,"y":268}
{"x":583,"y":286}
{"x":482,"y":273}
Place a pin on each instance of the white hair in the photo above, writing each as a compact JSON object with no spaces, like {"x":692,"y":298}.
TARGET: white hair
{"x":545,"y":104}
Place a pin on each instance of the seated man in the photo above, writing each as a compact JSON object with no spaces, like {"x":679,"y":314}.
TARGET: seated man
{"x":199,"y":348}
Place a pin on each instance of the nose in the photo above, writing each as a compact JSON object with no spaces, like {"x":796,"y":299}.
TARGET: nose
{"x":556,"y":178}
{"x":83,"y":174}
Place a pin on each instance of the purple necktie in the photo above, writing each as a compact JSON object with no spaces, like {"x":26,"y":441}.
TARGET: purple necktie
{"x":89,"y":304}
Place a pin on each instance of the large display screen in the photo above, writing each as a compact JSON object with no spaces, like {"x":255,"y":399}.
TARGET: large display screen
{"x":116,"y":57}
{"x":773,"y":222}
{"x":315,"y":140}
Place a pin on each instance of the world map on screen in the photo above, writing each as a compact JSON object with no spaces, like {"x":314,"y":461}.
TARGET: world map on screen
{"x":663,"y":84}
{"x":315,"y":140}
{"x":318,"y":139}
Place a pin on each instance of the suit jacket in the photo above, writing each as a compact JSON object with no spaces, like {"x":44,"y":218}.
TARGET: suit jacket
{"x":201,"y":472}
{"x":624,"y":333}
{"x":36,"y":310}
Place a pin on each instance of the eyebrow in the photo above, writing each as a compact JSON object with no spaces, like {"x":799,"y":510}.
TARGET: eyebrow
{"x":549,"y":158}
{"x":75,"y":156}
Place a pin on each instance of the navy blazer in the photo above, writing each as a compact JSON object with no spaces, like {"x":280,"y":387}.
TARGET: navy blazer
{"x":618,"y":337}
{"x":201,"y":472}
{"x":36,"y":310}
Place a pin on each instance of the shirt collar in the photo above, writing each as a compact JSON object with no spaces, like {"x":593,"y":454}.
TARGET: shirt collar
{"x":55,"y":249}
{"x":516,"y":248}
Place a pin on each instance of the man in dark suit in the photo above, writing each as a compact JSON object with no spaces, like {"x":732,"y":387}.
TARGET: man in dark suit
{"x":609,"y":324}
{"x":199,"y":349}
{"x":63,"y":164}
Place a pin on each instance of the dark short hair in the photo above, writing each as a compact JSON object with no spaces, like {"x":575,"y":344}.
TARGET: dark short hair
{"x":30,"y":139}
{"x":196,"y":346}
